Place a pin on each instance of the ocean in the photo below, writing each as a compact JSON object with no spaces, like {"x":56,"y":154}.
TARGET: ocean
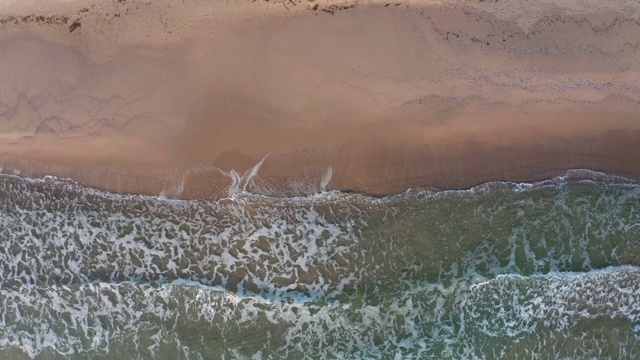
{"x":545,"y":270}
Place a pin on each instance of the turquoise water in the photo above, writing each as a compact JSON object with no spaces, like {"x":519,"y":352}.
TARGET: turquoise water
{"x":514,"y":271}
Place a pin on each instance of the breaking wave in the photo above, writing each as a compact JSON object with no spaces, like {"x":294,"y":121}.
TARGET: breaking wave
{"x":503,"y":270}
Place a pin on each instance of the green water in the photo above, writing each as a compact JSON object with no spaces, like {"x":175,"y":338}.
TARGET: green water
{"x":507,"y":271}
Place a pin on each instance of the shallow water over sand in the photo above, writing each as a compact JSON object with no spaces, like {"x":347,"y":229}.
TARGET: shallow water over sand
{"x":545,"y":270}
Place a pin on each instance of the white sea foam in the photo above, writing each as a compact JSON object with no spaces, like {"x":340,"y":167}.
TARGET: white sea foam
{"x":557,"y":300}
{"x":240,"y":182}
{"x":414,"y":322}
{"x":334,"y":275}
{"x":326,"y":178}
{"x":146,"y":239}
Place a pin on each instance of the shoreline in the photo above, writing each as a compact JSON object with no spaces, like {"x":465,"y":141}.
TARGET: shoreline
{"x":569,"y":177}
{"x":374,"y":167}
{"x":367,"y":98}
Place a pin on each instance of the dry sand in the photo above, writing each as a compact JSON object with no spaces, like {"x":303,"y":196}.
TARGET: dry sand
{"x":189,"y":97}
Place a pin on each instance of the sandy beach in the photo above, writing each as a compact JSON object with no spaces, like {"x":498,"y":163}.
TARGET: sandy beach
{"x":319,"y":179}
{"x":199,"y":99}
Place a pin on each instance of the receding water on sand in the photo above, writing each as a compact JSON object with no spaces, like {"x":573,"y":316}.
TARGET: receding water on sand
{"x":545,"y":270}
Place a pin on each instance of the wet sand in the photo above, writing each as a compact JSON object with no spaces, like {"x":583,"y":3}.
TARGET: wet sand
{"x":199,"y":100}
